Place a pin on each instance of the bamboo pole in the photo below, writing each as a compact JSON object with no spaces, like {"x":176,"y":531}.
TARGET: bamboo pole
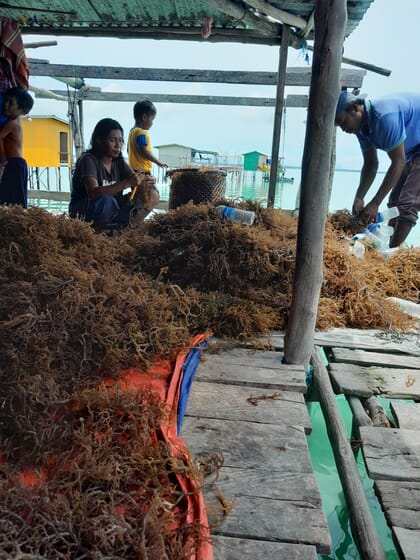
{"x":362,"y":525}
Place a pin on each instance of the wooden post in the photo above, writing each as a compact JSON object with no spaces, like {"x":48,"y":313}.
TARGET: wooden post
{"x":278,"y":112}
{"x":330,"y":23}
{"x":81,"y":124}
{"x":362,"y":525}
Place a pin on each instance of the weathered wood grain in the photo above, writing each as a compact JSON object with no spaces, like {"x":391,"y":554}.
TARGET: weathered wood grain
{"x":406,"y":415}
{"x":369,"y":339}
{"x":363,"y":358}
{"x":248,"y":445}
{"x":297,"y":76}
{"x":409,"y":543}
{"x":391,"y":454}
{"x":241,"y":366}
{"x":275,"y":520}
{"x":400,"y":501}
{"x":261,"y":483}
{"x":230,"y":548}
{"x":395,"y":383}
{"x":213,"y":400}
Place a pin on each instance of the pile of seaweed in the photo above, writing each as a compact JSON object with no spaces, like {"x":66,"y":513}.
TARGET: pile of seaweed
{"x":77,"y":308}
{"x":244,"y":275}
{"x":82,"y":472}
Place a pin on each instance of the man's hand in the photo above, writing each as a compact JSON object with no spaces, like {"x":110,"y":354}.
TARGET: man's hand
{"x":358,"y":206}
{"x":370,"y":213}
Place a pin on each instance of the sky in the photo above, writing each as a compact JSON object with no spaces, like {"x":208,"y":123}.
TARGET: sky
{"x":386,"y":37}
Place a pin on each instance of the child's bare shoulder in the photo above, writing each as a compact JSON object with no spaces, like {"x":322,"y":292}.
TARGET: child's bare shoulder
{"x":10,"y":126}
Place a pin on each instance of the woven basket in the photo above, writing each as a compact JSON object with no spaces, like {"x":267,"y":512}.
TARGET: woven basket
{"x":196,"y":185}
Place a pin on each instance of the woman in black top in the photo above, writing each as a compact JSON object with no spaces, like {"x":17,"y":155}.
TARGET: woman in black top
{"x":101,"y":176}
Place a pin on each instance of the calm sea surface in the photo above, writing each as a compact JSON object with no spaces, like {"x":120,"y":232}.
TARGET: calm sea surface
{"x":254,"y":185}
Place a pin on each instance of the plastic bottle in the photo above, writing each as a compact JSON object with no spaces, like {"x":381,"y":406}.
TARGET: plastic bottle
{"x":236,"y":215}
{"x":358,"y":249}
{"x":387,"y":214}
{"x":381,"y":232}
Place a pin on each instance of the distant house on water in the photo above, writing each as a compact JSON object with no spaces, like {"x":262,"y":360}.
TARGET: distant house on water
{"x":46,"y":145}
{"x":176,"y":155}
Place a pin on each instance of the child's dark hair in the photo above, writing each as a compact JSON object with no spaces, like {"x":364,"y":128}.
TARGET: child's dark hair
{"x":144,"y":107}
{"x":24,"y":100}
{"x":100,"y":132}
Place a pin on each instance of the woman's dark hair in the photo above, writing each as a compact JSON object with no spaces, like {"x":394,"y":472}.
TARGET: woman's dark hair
{"x":99,"y":134}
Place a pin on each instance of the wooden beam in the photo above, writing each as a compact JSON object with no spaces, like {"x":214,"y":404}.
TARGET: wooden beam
{"x":361,"y":521}
{"x":248,"y":36}
{"x":295,"y":76}
{"x":40,"y":44}
{"x":330,"y":24}
{"x":278,"y":114}
{"x":361,"y":64}
{"x":296,"y":101}
{"x":247,"y":17}
{"x":64,"y":196}
{"x":276,"y":13}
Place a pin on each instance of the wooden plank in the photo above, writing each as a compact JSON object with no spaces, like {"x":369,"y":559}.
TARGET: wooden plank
{"x":261,"y":483}
{"x":400,"y":502}
{"x":212,"y":400}
{"x":408,"y":543}
{"x":240,"y":366}
{"x":379,"y":341}
{"x":391,"y":454}
{"x":267,"y":473}
{"x":406,"y":415}
{"x":230,"y":548}
{"x":274,"y":520}
{"x":297,"y":76}
{"x":248,"y":445}
{"x":365,"y":381}
{"x":63,"y":196}
{"x":363,"y":358}
{"x":89,"y":95}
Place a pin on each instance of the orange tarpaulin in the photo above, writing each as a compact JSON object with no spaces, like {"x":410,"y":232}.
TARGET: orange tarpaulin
{"x":165,"y":379}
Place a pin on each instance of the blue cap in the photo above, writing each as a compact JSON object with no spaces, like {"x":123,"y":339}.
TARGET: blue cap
{"x":345,"y":99}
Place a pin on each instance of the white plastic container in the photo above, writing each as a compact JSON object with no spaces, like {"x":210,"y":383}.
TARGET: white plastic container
{"x":236,"y":215}
{"x":387,"y":214}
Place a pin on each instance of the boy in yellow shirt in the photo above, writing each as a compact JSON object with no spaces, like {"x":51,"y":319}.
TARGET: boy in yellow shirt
{"x":140,"y":155}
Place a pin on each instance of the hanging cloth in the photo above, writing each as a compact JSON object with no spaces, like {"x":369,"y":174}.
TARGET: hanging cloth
{"x":14,"y":71}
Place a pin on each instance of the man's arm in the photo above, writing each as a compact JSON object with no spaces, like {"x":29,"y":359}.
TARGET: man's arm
{"x":397,"y":157}
{"x":367,"y":176}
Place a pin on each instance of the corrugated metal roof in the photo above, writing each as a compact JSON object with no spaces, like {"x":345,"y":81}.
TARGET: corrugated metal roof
{"x":231,"y":20}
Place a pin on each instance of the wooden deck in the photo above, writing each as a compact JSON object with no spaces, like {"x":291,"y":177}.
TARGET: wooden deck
{"x":265,"y":501}
{"x":250,"y":408}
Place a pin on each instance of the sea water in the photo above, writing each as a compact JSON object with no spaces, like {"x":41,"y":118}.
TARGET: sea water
{"x":253,"y":185}
{"x":333,"y":500}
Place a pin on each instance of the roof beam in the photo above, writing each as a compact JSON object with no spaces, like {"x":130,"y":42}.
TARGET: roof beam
{"x":277,"y":14}
{"x":299,"y":76}
{"x":246,"y":17}
{"x":88,"y":95}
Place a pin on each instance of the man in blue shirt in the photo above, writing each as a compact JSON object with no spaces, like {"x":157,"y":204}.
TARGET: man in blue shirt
{"x":391,"y":124}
